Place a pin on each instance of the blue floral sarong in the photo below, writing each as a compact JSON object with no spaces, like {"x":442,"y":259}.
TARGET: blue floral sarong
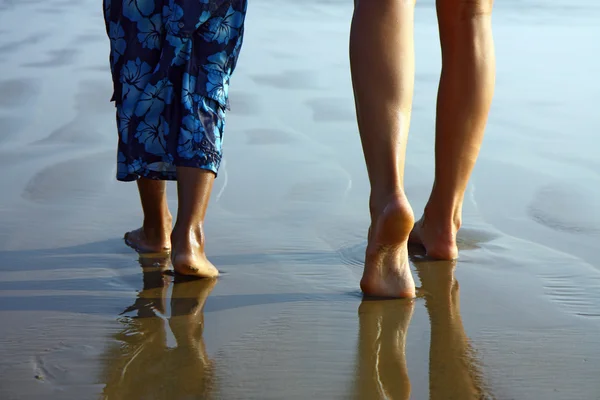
{"x":171,"y":62}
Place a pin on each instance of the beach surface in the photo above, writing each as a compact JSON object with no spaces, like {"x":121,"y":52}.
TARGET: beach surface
{"x":517,"y":317}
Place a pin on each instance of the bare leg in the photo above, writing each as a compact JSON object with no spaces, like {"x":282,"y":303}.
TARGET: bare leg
{"x":154,"y":235}
{"x":193,"y":190}
{"x":464,"y":99}
{"x":382,"y":61}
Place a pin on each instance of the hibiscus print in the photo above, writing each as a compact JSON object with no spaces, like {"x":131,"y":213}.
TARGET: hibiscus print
{"x":151,"y":133}
{"x":171,"y":62}
{"x":150,"y":31}
{"x":153,"y":99}
{"x":136,"y":10}
{"x":217,"y":77}
{"x":226,"y":28}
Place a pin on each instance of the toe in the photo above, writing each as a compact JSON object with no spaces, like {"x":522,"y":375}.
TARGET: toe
{"x":132,"y":239}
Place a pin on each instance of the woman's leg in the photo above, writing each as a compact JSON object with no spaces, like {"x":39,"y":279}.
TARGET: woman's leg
{"x":382,"y":63}
{"x":194,"y":187}
{"x":464,"y":100}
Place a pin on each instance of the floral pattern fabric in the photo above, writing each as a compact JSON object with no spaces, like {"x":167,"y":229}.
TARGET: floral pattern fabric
{"x":171,"y":63}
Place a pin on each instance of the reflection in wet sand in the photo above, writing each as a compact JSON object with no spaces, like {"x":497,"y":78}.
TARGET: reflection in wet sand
{"x":382,"y":372}
{"x":453,"y":370}
{"x":144,"y":366}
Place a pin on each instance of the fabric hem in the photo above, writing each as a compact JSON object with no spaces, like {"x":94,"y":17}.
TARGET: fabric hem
{"x":164,"y":175}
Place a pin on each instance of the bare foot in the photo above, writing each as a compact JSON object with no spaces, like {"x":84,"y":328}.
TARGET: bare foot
{"x":387,"y":271}
{"x":150,"y":240}
{"x":439,"y":241}
{"x":188,"y":256}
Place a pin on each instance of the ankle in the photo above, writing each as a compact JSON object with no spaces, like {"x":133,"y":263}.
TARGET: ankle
{"x":445,"y":205}
{"x":378,"y":203}
{"x":446,"y":222}
{"x":188,"y":233}
{"x":160,"y":227}
{"x":392,"y":220}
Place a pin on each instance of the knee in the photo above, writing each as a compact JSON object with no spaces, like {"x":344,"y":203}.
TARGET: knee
{"x":464,"y":10}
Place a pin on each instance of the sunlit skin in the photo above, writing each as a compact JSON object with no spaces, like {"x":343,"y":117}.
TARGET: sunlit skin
{"x":382,"y":370}
{"x":383,"y":68}
{"x":185,"y":242}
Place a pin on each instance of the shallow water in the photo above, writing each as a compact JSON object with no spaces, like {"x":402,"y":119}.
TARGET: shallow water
{"x":83,"y":318}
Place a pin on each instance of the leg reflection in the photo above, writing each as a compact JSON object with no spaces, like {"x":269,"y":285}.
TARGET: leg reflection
{"x":193,"y":370}
{"x":453,"y":370}
{"x":382,"y":371}
{"x":140,"y":364}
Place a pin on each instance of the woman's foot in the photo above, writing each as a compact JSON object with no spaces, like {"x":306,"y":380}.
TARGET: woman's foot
{"x":153,"y":237}
{"x":188,"y":257}
{"x":155,"y":234}
{"x":387,"y":270}
{"x":437,"y":236}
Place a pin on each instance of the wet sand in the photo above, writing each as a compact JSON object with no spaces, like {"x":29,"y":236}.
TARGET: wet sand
{"x":516,"y":318}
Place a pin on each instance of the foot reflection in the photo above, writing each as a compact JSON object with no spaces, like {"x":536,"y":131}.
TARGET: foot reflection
{"x":453,"y":370}
{"x":141,"y":364}
{"x":382,"y":371}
